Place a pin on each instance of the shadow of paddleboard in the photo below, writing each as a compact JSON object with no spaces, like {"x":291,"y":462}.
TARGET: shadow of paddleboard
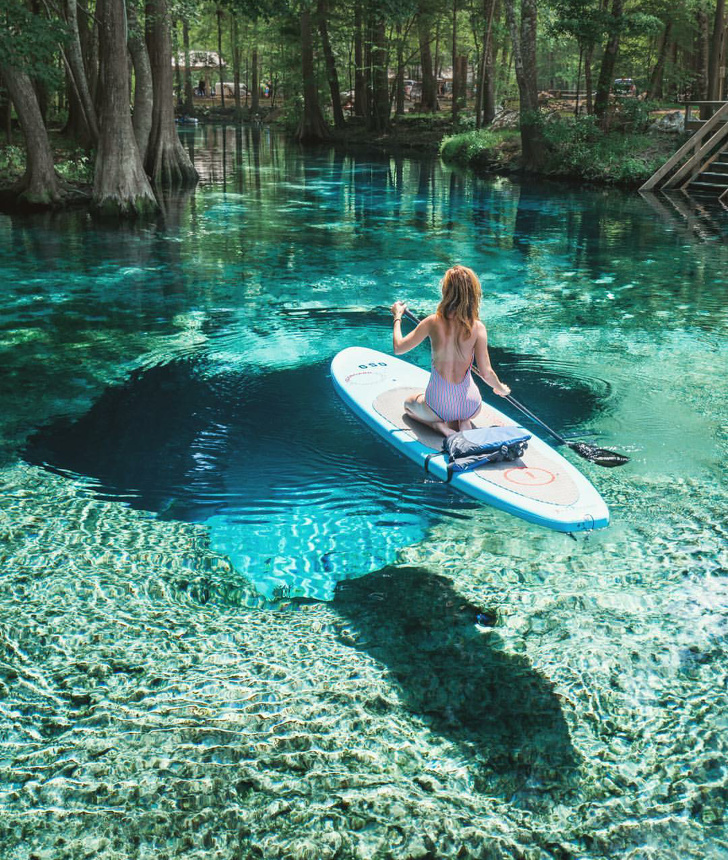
{"x":504,"y":714}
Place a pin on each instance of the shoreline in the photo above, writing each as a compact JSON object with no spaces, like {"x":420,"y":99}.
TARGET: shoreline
{"x":606,"y":161}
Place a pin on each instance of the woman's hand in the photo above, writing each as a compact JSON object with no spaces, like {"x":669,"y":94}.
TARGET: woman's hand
{"x":398,"y":309}
{"x":501,"y":390}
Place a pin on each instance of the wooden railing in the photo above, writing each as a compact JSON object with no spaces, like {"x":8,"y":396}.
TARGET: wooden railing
{"x":704,"y":107}
{"x":697,"y":153}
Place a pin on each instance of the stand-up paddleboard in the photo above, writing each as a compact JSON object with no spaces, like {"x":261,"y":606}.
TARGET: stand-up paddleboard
{"x":541,"y":487}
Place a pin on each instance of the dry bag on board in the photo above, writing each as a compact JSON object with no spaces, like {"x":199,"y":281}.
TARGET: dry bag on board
{"x":472,"y":448}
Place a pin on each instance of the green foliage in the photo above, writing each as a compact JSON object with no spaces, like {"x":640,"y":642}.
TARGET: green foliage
{"x":581,"y":19}
{"x":578,"y":147}
{"x":12,"y":161}
{"x":424,"y":122}
{"x":572,"y":134}
{"x":465,"y":122}
{"x":78,"y":167}
{"x":292,"y":114}
{"x":74,"y":165}
{"x":634,"y":114}
{"x":30,"y":42}
{"x":475,"y":148}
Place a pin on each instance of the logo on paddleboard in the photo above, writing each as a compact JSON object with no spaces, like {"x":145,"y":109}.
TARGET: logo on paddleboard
{"x":529,"y":476}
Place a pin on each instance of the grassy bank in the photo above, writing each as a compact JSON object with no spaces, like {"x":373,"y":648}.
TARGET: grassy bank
{"x":575,"y":148}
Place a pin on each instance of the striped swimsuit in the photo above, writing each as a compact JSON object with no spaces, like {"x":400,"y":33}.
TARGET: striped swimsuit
{"x":453,"y":401}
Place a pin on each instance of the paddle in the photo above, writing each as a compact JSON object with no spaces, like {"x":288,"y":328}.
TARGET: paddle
{"x":600,"y":456}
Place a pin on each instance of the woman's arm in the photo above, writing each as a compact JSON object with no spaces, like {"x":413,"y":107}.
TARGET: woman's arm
{"x":485,"y":368}
{"x":414,"y":338}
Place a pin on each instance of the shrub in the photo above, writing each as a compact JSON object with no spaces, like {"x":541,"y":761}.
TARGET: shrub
{"x":292,"y":114}
{"x":578,"y":146}
{"x":473,"y":148}
{"x":465,"y":122}
{"x":12,"y":160}
{"x":78,"y":167}
{"x":633,"y":115}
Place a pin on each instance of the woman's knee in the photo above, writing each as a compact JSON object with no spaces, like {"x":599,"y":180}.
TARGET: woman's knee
{"x":412,"y":403}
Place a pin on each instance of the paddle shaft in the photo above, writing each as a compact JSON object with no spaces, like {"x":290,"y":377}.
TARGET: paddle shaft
{"x":512,"y":400}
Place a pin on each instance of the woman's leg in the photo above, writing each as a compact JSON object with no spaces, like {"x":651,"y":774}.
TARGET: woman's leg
{"x":468,"y":423}
{"x":416,"y":408}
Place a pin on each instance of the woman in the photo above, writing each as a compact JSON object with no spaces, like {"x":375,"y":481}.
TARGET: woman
{"x":452,"y":398}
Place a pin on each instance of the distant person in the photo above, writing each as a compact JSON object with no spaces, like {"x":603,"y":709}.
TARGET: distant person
{"x":201,"y":88}
{"x":457,"y":337}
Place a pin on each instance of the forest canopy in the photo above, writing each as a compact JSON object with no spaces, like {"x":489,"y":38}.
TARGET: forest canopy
{"x":114,"y":75}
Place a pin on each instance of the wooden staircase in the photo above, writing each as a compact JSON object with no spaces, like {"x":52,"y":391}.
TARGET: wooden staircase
{"x":700,"y":166}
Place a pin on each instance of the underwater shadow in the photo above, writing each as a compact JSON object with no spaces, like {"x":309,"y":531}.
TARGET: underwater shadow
{"x":502,"y":712}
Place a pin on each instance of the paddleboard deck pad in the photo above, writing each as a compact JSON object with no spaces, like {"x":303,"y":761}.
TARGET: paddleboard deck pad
{"x":541,"y":487}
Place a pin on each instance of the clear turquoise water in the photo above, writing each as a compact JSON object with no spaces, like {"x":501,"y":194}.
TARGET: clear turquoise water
{"x":172,"y":457}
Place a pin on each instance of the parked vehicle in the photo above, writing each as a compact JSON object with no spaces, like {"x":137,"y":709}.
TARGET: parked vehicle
{"x":624,"y":87}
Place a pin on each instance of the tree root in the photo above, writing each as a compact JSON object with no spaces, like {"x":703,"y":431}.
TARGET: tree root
{"x":171,"y":167}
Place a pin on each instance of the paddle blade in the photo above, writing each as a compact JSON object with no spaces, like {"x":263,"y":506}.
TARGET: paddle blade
{"x":600,"y":456}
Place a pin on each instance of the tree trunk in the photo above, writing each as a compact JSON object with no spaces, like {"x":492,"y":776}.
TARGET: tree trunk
{"x":588,"y":56}
{"x":578,"y":80}
{"x":76,"y":126}
{"x":143,"y":88}
{"x":609,"y":59}
{"x":368,"y":65}
{"x":478,"y":77}
{"x":6,"y":113}
{"x":41,"y":93}
{"x":121,"y":187}
{"x":716,"y":52}
{"x":361,"y":106}
{"x":379,"y":120}
{"x":74,"y":61}
{"x":236,"y":67}
{"x":654,"y":89}
{"x":255,"y":99}
{"x":330,"y":65}
{"x":189,"y":103}
{"x":40,"y":185}
{"x":177,"y":70}
{"x":486,"y":87}
{"x":219,"y":56}
{"x":167,"y":162}
{"x":312,"y":129}
{"x":702,"y":51}
{"x":429,"y":84}
{"x":463,"y":80}
{"x":399,"y":79}
{"x":455,"y":64}
{"x":524,"y":58}
{"x":90,"y":48}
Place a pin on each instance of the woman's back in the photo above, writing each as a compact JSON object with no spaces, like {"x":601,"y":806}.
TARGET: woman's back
{"x":452,"y":348}
{"x":452,"y":398}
